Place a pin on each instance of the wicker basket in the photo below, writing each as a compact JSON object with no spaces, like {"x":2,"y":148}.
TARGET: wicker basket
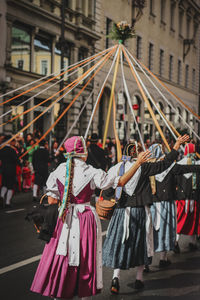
{"x":105,"y":208}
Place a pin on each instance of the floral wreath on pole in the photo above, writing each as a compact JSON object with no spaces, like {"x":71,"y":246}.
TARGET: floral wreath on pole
{"x":121,"y":32}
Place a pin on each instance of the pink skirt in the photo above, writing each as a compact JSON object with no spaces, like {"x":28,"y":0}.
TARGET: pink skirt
{"x":55,"y":278}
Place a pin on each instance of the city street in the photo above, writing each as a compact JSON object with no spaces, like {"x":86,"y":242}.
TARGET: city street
{"x":21,"y":250}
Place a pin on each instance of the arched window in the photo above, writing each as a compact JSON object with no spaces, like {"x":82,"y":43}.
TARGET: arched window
{"x":168,"y":113}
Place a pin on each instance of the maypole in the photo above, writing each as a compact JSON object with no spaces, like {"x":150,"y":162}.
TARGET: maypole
{"x":111,"y":98}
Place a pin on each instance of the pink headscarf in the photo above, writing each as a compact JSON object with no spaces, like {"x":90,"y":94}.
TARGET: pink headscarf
{"x":77,"y":145}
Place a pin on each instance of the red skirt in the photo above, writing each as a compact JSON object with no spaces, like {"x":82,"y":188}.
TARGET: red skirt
{"x":188,"y":222}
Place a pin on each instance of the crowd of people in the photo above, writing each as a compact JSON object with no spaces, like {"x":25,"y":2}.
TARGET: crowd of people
{"x":157,"y":197}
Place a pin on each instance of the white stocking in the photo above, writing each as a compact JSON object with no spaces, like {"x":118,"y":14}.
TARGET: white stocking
{"x":116,"y":273}
{"x":177,"y":237}
{"x":139,"y":273}
{"x":35,"y":189}
{"x":9,"y":197}
{"x":3,"y":191}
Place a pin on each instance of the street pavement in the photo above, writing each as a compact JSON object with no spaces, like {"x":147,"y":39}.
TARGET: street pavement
{"x":21,"y":249}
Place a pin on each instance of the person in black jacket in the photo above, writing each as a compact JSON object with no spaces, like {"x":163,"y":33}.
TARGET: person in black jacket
{"x":40,"y":165}
{"x":129,"y":240}
{"x":163,"y":209}
{"x":188,"y":196}
{"x":96,"y":157}
{"x":9,"y":159}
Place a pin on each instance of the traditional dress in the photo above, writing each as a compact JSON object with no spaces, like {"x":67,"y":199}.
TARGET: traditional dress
{"x":71,"y":263}
{"x":129,"y":240}
{"x":188,"y":187}
{"x":163,"y":209}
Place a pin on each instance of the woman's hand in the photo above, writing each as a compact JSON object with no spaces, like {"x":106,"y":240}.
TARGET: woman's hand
{"x":143,"y":157}
{"x":180,"y":140}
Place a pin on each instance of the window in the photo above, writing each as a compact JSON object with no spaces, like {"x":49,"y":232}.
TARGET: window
{"x":188,"y":27}
{"x":139,"y":47}
{"x":172,"y":15}
{"x":179,"y":78}
{"x":108,"y":29}
{"x":193,"y":79}
{"x":168,"y":113}
{"x":67,"y":56}
{"x":162,"y":11}
{"x":186,"y":76}
{"x":150,"y":57}
{"x":177,"y":118}
{"x":42,"y":52}
{"x":170,"y":67}
{"x":44,"y":67}
{"x":161,"y":63}
{"x":20,"y":48}
{"x":180,"y":23}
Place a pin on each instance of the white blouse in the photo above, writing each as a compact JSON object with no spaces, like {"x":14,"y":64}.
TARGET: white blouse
{"x":83,"y":174}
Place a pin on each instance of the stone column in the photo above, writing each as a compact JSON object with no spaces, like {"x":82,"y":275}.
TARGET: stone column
{"x":30,"y":115}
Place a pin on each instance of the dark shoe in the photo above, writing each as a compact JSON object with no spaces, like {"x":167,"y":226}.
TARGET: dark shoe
{"x":8,"y":206}
{"x":1,"y":202}
{"x":146,"y":269}
{"x":193,"y":247}
{"x":35,"y":199}
{"x":115,"y":286}
{"x":164,"y":263}
{"x":177,"y":248}
{"x":139,"y":284}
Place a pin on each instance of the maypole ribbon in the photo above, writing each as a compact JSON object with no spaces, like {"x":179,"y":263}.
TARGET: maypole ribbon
{"x":172,"y":93}
{"x":28,"y":125}
{"x":130,"y":104}
{"x":100,"y":95}
{"x":147,"y":102}
{"x":68,"y":107}
{"x":111,"y":98}
{"x":55,"y":73}
{"x":44,"y":101}
{"x":119,"y":149}
{"x":52,"y":78}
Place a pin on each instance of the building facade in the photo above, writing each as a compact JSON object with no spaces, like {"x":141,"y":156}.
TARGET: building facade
{"x":167,"y":42}
{"x":35,"y":35}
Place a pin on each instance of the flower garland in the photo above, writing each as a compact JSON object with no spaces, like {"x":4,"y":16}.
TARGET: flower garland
{"x":122,"y":31}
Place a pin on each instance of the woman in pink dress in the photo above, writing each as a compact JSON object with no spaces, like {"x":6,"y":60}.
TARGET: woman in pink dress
{"x":71,"y":264}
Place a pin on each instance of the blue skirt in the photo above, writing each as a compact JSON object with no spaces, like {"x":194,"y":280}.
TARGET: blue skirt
{"x":165,"y":236}
{"x":133,"y":252}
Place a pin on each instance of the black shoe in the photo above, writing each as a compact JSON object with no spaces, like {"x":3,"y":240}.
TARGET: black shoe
{"x":164,"y":263}
{"x":8,"y":206}
{"x":193,"y":247}
{"x":146,"y":269}
{"x":139,"y":284}
{"x":35,"y":199}
{"x":115,"y":286}
{"x":1,"y":202}
{"x":176,"y":248}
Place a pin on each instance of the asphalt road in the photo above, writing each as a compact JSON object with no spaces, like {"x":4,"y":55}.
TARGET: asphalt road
{"x":21,"y":249}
